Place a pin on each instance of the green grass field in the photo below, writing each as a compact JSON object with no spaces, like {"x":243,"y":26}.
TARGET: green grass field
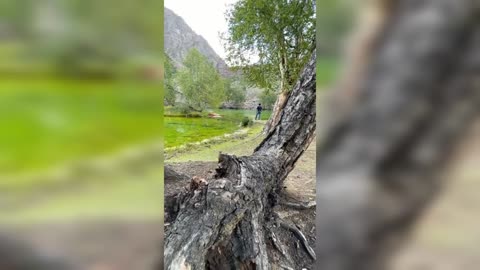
{"x":182,"y":130}
{"x":44,"y":122}
{"x":47,"y":123}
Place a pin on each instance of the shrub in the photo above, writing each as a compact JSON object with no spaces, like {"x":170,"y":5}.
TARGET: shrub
{"x":247,"y":121}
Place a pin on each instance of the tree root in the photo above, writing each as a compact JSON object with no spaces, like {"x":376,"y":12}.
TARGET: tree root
{"x":300,"y":237}
{"x":299,"y":205}
{"x":277,"y":244}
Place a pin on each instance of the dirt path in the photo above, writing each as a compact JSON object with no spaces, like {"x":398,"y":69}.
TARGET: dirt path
{"x":301,"y":182}
{"x":448,"y":236}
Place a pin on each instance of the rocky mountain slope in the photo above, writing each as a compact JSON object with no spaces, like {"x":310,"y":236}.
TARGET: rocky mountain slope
{"x":180,"y":39}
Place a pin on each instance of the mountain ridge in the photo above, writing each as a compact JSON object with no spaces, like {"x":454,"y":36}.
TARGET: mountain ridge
{"x":180,"y":39}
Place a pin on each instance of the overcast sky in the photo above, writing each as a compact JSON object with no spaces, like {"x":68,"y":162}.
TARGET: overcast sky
{"x":206,"y":18}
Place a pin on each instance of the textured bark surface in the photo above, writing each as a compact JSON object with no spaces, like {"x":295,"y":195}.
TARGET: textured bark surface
{"x":225,"y":225}
{"x":276,"y":112}
{"x":380,"y":165}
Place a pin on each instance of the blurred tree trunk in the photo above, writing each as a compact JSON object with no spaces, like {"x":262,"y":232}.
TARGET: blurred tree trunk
{"x":225,"y":225}
{"x":381,"y":163}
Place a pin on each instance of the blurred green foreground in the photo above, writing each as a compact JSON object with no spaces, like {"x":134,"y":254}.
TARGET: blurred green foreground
{"x":80,"y":110}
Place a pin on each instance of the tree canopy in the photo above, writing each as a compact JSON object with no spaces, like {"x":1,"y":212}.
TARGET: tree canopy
{"x":200,"y":83}
{"x":235,"y":90}
{"x":170,"y":71}
{"x":271,"y":40}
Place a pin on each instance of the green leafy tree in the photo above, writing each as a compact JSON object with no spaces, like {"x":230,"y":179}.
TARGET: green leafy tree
{"x":271,"y":41}
{"x":268,"y":99}
{"x":235,"y":91}
{"x":280,"y":33}
{"x":200,"y":83}
{"x":170,"y":91}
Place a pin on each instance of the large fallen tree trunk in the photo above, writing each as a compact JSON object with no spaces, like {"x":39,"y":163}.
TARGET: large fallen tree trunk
{"x":225,"y":224}
{"x":380,"y":165}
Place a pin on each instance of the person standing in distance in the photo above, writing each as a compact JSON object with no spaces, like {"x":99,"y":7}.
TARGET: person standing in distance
{"x":259,"y":112}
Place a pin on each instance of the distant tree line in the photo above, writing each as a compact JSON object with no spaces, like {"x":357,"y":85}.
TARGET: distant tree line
{"x":197,"y":85}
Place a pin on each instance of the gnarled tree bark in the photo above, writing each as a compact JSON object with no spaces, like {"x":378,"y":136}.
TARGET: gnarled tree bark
{"x":224,"y":225}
